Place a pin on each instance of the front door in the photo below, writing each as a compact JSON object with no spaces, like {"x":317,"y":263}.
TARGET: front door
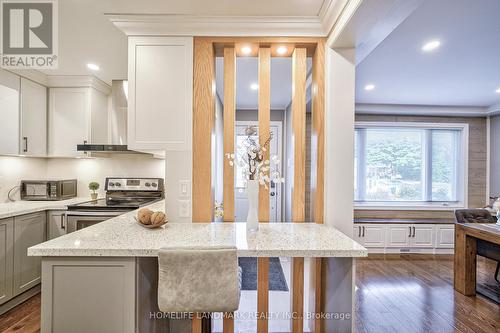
{"x":240,"y":200}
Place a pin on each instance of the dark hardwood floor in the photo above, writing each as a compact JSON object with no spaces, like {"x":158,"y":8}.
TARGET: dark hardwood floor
{"x":394,"y":293}
{"x":414,"y":293}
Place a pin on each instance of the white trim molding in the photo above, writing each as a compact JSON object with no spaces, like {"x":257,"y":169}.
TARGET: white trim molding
{"x":423,"y":110}
{"x":63,"y":81}
{"x":198,"y":25}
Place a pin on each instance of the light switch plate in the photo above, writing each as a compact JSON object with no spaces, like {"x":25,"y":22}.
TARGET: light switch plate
{"x":184,"y":208}
{"x":184,"y":189}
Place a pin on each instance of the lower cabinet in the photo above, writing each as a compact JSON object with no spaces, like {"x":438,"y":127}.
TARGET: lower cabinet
{"x":6,"y":259}
{"x":29,"y":230}
{"x":370,"y":235}
{"x":390,"y":238}
{"x":56,"y":223}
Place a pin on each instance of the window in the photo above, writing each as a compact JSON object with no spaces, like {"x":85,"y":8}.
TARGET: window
{"x":410,"y":164}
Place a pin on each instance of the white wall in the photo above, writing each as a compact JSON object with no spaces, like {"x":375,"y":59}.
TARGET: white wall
{"x":14,"y":169}
{"x":339,"y":140}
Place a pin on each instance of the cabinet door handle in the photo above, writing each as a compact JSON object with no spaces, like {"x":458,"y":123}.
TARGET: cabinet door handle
{"x":25,"y":139}
{"x":363,"y":231}
{"x":359,"y":231}
{"x":63,"y":226}
{"x":413,"y":232}
{"x":410,"y":232}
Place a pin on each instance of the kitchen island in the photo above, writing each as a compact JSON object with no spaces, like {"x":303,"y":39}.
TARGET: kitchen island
{"x":103,"y":278}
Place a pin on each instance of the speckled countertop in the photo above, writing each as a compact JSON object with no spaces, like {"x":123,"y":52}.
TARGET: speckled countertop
{"x":122,"y":236}
{"x":10,"y":209}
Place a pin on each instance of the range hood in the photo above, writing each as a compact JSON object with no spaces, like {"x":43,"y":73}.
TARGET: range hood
{"x":117,"y":123}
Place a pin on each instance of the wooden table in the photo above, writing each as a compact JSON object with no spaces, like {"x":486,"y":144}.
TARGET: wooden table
{"x":466,"y":236}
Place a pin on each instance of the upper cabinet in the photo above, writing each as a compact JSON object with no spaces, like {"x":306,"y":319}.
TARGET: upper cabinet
{"x":23,"y":129}
{"x":33,"y":119}
{"x":10,"y":86}
{"x":160,"y":74}
{"x":76,"y":116}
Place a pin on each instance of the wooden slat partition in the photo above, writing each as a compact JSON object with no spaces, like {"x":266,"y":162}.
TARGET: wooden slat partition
{"x":317,"y":170}
{"x":196,"y":324}
{"x":264,"y":115}
{"x":228,"y":322}
{"x":203,"y":126}
{"x":299,"y":74}
{"x":229,"y":125}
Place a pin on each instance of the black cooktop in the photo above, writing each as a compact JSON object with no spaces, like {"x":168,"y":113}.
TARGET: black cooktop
{"x":109,"y":204}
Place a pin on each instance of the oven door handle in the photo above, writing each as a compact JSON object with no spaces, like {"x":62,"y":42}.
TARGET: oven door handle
{"x":96,"y":213}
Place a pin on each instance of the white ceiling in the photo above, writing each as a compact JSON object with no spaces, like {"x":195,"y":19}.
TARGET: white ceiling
{"x":465,"y":70}
{"x":216,"y":7}
{"x":86,"y":35}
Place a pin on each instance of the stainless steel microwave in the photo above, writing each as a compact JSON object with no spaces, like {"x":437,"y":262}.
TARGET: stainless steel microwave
{"x":48,"y":189}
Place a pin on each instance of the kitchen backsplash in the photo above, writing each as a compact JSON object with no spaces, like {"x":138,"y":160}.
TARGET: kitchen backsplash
{"x":13,"y":169}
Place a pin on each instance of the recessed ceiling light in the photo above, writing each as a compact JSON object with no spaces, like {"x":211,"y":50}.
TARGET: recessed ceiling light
{"x":246,"y":50}
{"x":254,"y":86}
{"x":497,"y":91}
{"x":93,"y":67}
{"x":369,"y":87}
{"x":281,"y":50}
{"x":430,"y":46}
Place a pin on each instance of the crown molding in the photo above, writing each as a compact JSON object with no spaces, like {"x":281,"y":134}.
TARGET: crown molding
{"x":195,"y":25}
{"x":494,"y":110}
{"x":422,"y":110}
{"x":31,"y":74}
{"x":191,"y":25}
{"x":65,"y":81}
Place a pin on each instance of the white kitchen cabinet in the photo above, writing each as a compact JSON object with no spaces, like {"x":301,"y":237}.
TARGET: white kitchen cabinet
{"x":10,"y":113}
{"x":398,"y":235}
{"x":6,"y":259}
{"x":445,"y":236}
{"x":370,"y":235}
{"x":160,"y":76}
{"x":357,"y":234}
{"x":56,"y":223}
{"x":423,"y":236}
{"x":76,"y":116}
{"x":33,"y":119}
{"x":29,"y":230}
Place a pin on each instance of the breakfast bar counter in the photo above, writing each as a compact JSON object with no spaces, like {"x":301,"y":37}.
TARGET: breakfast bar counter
{"x":111,"y":267}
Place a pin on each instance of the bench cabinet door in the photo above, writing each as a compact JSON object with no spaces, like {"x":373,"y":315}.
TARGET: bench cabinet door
{"x":29,"y":230}
{"x":6,"y":259}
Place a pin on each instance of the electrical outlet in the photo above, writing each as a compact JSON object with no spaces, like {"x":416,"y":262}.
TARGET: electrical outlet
{"x":184,"y":208}
{"x":184,"y":189}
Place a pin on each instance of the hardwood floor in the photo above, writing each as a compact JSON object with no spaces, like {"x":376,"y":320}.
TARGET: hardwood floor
{"x":394,"y":293}
{"x":414,"y":293}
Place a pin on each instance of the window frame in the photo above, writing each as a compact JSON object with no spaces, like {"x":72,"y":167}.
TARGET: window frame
{"x":462,"y":166}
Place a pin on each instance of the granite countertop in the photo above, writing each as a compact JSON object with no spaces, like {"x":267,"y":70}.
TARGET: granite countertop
{"x":405,"y":221}
{"x":122,"y":236}
{"x":10,"y":209}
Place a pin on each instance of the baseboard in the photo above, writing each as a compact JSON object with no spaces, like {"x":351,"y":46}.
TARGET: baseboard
{"x":19,"y":299}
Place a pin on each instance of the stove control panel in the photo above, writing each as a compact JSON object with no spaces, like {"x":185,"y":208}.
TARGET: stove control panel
{"x":134,"y":184}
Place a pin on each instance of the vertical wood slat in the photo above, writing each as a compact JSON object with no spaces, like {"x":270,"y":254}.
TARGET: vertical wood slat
{"x":262,"y":294}
{"x":229,"y":125}
{"x":299,"y":74}
{"x":228,"y":322}
{"x":203,"y":126}
{"x":264,"y":116}
{"x":196,"y":324}
{"x":317,"y":171}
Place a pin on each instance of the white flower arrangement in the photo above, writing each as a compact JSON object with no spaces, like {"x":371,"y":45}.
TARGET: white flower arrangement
{"x":252,"y":162}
